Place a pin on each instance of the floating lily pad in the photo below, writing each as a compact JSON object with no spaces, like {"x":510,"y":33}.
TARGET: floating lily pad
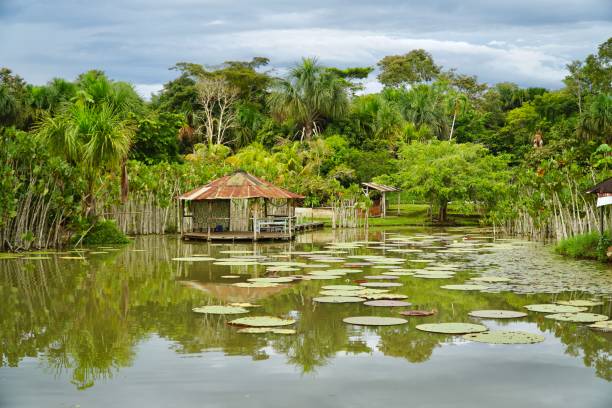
{"x":378,"y":296}
{"x":374,"y":321}
{"x":344,"y":270}
{"x":283,"y":279}
{"x":338,"y":299}
{"x":580,"y":303}
{"x":262,"y":321}
{"x":552,"y":308}
{"x":323,"y":277}
{"x":452,"y":328}
{"x":464,"y":287}
{"x":605,"y":326}
{"x":418,"y":313}
{"x":245,"y":304}
{"x":577,"y":317}
{"x":491,"y":279}
{"x":358,"y":293}
{"x":398,"y":273}
{"x":505,"y":337}
{"x":380,"y":284}
{"x":264,"y":330}
{"x":220,"y":310}
{"x":255,"y":285}
{"x":434,"y":276}
{"x":497,"y":314}
{"x":387,"y":303}
{"x":80,"y":258}
{"x":230,"y":276}
{"x":234,"y":263}
{"x":342,"y":287}
{"x":326,"y":273}
{"x":382,"y":277}
{"x":193,"y":259}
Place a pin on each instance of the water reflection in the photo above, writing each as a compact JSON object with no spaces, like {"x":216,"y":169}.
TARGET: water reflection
{"x":86,"y":317}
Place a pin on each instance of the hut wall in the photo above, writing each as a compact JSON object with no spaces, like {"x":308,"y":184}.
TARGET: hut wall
{"x":239,"y":215}
{"x":210,"y":212}
{"x":280,"y":207}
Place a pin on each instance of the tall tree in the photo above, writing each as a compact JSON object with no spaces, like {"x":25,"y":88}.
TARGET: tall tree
{"x":415,"y":67}
{"x":217,"y":114}
{"x":309,"y":96}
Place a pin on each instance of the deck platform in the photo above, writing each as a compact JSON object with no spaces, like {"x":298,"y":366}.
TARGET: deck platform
{"x":249,"y":236}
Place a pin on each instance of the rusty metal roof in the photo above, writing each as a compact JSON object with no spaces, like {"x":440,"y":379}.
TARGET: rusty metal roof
{"x":380,"y":187}
{"x":237,"y":185}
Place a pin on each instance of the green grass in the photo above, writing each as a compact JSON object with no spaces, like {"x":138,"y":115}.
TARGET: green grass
{"x":585,"y":246}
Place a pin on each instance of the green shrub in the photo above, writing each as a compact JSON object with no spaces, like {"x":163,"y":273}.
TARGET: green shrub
{"x":104,"y":232}
{"x":585,"y":246}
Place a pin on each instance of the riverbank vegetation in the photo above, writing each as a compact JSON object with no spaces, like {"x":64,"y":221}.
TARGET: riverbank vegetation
{"x":78,"y":151}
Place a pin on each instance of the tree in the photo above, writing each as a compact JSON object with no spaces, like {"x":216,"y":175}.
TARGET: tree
{"x":217,"y":102}
{"x":596,"y":121}
{"x":441,"y":172}
{"x":309,"y":96}
{"x":415,"y":67}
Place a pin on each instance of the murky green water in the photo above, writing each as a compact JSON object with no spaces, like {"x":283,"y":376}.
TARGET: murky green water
{"x":117,"y":330}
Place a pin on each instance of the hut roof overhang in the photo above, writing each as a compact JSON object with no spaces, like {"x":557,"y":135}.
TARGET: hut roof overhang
{"x":603,"y":191}
{"x":380,"y":187}
{"x":238,"y":185}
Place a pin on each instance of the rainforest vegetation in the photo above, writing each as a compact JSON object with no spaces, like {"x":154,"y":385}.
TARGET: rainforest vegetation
{"x":78,"y":151}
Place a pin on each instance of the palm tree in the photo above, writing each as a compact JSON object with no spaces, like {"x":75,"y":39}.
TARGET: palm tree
{"x":423,"y":105}
{"x":309,"y":96}
{"x":596,"y":119}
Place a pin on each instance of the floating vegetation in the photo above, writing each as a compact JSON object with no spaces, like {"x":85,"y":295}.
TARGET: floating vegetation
{"x":230,"y":276}
{"x":380,"y":284}
{"x":452,"y":328}
{"x":255,"y":284}
{"x":262,"y":321}
{"x":235,"y":263}
{"x":490,"y":279}
{"x":577,"y":317}
{"x":343,"y":271}
{"x":220,"y":310}
{"x":265,"y":330}
{"x":342,"y":287}
{"x":434,"y":276}
{"x":553,"y":308}
{"x":283,"y":279}
{"x":505,"y":337}
{"x":398,"y":273}
{"x":80,"y":258}
{"x":387,"y":303}
{"x":418,"y":313}
{"x":382,"y":277}
{"x":497,"y":314}
{"x":580,"y":303}
{"x":193,"y":259}
{"x":338,"y":299}
{"x":245,"y":304}
{"x":326,"y":273}
{"x":374,"y":321}
{"x":604,"y":326}
{"x":376,"y":296}
{"x":464,"y":287}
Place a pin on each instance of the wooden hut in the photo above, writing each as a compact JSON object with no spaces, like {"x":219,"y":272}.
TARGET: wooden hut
{"x":377,"y":192}
{"x":604,"y":198}
{"x":238,"y":206}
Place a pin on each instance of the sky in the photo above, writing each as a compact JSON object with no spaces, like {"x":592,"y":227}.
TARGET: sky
{"x":528,"y":42}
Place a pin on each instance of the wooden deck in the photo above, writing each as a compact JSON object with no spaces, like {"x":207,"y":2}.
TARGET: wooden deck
{"x":249,"y":236}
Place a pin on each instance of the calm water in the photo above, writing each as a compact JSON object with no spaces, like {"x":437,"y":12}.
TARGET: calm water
{"x":117,"y":330}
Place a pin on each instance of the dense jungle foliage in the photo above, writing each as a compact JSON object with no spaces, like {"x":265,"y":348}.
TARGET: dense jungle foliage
{"x":522,"y":157}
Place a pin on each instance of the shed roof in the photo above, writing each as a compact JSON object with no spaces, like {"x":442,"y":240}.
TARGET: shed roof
{"x":237,"y":185}
{"x":380,"y":187}
{"x":603,"y":187}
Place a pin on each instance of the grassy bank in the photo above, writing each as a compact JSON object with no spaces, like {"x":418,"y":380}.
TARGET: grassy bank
{"x":585,"y":246}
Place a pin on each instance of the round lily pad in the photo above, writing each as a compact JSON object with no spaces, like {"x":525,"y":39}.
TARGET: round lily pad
{"x":220,"y":310}
{"x":605,"y":326}
{"x":418,"y":313}
{"x":244,"y":304}
{"x":343,"y":271}
{"x":579,"y":303}
{"x":255,"y":284}
{"x":262,"y":321}
{"x":374,"y":321}
{"x":342,"y":287}
{"x":193,"y":259}
{"x":398,"y":273}
{"x":326,"y":273}
{"x":505,"y":337}
{"x":552,"y":308}
{"x":73,"y":257}
{"x":491,"y":279}
{"x":338,"y":299}
{"x":387,"y":303}
{"x":497,"y":314}
{"x":382,"y":277}
{"x":230,"y":276}
{"x":322,"y":277}
{"x":263,"y":330}
{"x":271,"y":280}
{"x":380,"y":284}
{"x":577,"y":317}
{"x":464,"y":287}
{"x":378,"y":296}
{"x":452,"y":328}
{"x":234,"y":263}
{"x":434,"y":276}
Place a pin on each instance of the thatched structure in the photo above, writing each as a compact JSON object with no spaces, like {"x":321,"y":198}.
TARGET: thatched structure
{"x":379,"y":200}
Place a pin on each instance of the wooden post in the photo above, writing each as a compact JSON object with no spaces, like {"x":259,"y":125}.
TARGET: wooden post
{"x":399,"y":196}
{"x":182,"y":211}
{"x":255,"y":225}
{"x":383,"y":204}
{"x":290,"y":228}
{"x":601,"y":220}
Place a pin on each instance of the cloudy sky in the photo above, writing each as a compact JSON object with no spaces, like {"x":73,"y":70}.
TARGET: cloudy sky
{"x":524,"y":41}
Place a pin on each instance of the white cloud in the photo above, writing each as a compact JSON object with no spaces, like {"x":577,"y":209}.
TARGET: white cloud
{"x":146,"y":90}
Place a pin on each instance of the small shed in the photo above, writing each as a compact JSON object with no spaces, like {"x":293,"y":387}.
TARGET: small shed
{"x":237,"y":206}
{"x":379,"y":206}
{"x":604,"y":198}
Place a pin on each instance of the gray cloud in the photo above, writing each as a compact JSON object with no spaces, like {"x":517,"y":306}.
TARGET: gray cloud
{"x":528,"y":42}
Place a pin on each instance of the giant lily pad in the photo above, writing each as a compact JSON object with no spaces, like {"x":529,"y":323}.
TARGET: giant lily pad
{"x":358,"y":293}
{"x":382,"y":277}
{"x":220,"y":310}
{"x":262,"y":321}
{"x":580,"y":303}
{"x":255,"y":284}
{"x":434,"y":276}
{"x":283,"y":279}
{"x":374,"y":321}
{"x":497,"y":314}
{"x":326,"y":273}
{"x":230,"y":276}
{"x":193,"y":259}
{"x":605,"y":326}
{"x":552,"y":308}
{"x":342,"y":287}
{"x":387,"y":303}
{"x":378,"y":296}
{"x":491,"y":279}
{"x":380,"y":284}
{"x":577,"y":317}
{"x":264,"y":330}
{"x":398,"y":273}
{"x":464,"y":287}
{"x":235,"y":263}
{"x":452,"y":328}
{"x":505,"y":337}
{"x":338,"y":299}
{"x":418,"y":313}
{"x":244,"y":304}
